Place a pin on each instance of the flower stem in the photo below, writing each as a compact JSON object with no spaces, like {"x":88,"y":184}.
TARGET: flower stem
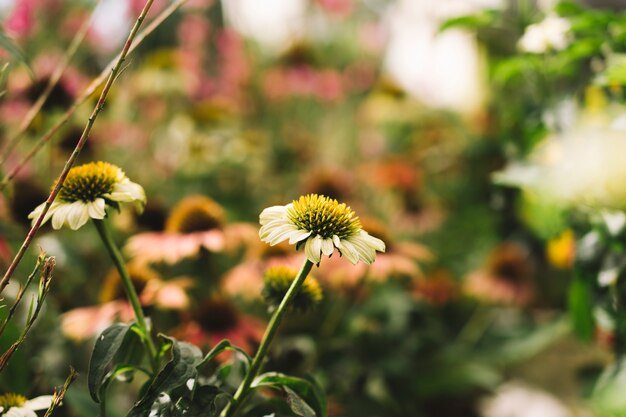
{"x":231,"y":408}
{"x":131,"y":294}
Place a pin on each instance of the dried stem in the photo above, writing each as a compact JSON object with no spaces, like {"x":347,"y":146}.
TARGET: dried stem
{"x":40,"y":260}
{"x":44,"y":288}
{"x":91,"y":88}
{"x":59,"y":395}
{"x":79,"y":146}
{"x":52,"y":82}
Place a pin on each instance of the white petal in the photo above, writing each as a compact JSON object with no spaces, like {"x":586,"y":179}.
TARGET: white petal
{"x":59,"y":218}
{"x":313,"y":248}
{"x":37,"y":212}
{"x":361,"y":244}
{"x":347,"y":249}
{"x":327,"y":246}
{"x":78,"y":215}
{"x":299,"y":235}
{"x":281,"y":233}
{"x":271,"y":229}
{"x":19,"y":412}
{"x":373,"y":242}
{"x":127,"y":191}
{"x":39,"y":403}
{"x":96,"y":208}
{"x":272,"y":213}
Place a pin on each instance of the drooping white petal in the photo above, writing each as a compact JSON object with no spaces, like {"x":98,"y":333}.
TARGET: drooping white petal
{"x":39,"y":403}
{"x":299,"y":235}
{"x":281,"y":234}
{"x":272,"y":213}
{"x":327,"y":246}
{"x":346,"y":250}
{"x":37,"y":212}
{"x":59,"y":217}
{"x":366,"y":253}
{"x":19,"y":412}
{"x":96,"y":208}
{"x":127,"y":191}
{"x":372,"y":241}
{"x":271,"y":227}
{"x":313,"y":249}
{"x":78,"y":214}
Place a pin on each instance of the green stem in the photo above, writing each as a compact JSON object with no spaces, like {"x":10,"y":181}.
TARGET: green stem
{"x":131,"y":294}
{"x":272,"y":327}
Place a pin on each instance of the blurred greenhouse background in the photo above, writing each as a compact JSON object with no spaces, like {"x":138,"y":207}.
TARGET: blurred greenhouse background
{"x":483,"y":141}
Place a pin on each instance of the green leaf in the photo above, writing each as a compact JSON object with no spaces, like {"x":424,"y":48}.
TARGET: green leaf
{"x":202,"y":404}
{"x":306,"y":390}
{"x":176,"y":372}
{"x":476,"y":21}
{"x":107,"y":346}
{"x":581,"y":308}
{"x":223,"y":346}
{"x":297,"y":404}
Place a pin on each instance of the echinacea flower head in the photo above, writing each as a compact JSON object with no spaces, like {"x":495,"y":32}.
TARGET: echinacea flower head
{"x":16,"y":405}
{"x":319,"y":224}
{"x":278,"y":279}
{"x":86,"y":192}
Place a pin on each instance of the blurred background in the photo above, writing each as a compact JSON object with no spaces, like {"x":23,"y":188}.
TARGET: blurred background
{"x":481,"y":140}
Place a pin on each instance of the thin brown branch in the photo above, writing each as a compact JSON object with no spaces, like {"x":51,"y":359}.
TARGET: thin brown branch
{"x":79,"y":146}
{"x":91,"y":88}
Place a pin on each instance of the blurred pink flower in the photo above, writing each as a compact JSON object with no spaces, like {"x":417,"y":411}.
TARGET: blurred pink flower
{"x":85,"y":322}
{"x":506,"y":277}
{"x":196,"y":222}
{"x":340,"y":8}
{"x":21,"y":20}
{"x":215,"y":320}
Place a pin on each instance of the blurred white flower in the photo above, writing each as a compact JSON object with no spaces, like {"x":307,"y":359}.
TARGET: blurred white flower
{"x":514,"y":399}
{"x":582,"y":167}
{"x":15,"y":405}
{"x":549,"y":34}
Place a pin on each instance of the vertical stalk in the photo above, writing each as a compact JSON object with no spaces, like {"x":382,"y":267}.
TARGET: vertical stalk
{"x":131,"y":294}
{"x":232,"y":407}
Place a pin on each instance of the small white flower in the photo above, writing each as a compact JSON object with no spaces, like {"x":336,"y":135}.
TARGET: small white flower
{"x":319,"y":224}
{"x":549,"y":34}
{"x":19,"y":406}
{"x":86,"y":192}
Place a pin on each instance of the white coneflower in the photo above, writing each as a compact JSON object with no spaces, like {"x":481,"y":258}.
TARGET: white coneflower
{"x":16,"y":405}
{"x":319,"y":224}
{"x":86,"y":192}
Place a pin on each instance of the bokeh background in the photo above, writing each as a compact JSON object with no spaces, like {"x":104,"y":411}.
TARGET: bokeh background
{"x":417,"y":114}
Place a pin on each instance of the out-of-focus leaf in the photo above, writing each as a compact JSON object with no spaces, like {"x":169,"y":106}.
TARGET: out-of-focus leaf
{"x":476,"y":21}
{"x":223,"y":346}
{"x":581,"y":308}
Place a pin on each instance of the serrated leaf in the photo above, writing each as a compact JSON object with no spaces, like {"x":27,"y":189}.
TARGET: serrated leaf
{"x":305,"y":389}
{"x":105,"y":349}
{"x":176,"y":372}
